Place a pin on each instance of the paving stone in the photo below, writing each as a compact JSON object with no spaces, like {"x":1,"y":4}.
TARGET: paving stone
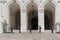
{"x":47,"y":35}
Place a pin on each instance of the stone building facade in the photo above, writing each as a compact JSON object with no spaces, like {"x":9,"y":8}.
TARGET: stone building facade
{"x":21,"y":14}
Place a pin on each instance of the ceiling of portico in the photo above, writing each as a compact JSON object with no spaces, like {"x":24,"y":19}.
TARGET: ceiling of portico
{"x":14,"y":7}
{"x":32,"y":6}
{"x":49,"y":7}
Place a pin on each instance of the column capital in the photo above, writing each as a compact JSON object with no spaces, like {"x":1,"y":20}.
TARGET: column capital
{"x":40,"y":10}
{"x":3,"y":1}
{"x":23,"y":10}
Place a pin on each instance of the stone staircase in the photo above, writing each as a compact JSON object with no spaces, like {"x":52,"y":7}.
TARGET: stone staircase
{"x":46,"y":35}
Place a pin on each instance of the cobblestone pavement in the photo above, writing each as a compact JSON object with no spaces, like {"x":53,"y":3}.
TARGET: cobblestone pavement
{"x":47,"y":35}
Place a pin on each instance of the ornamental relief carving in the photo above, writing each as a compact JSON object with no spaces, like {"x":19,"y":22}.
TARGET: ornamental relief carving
{"x":41,"y":10}
{"x":23,"y":11}
{"x":58,"y":1}
{"x":3,"y":1}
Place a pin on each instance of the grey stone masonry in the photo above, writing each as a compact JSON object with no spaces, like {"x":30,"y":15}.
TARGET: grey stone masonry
{"x":47,"y":35}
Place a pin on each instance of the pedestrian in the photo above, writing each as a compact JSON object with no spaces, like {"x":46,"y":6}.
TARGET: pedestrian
{"x":11,"y":28}
{"x":39,"y":29}
{"x":30,"y":29}
{"x":19,"y":29}
{"x":52,"y":29}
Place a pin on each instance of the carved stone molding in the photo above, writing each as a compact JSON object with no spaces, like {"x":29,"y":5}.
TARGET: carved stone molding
{"x":3,"y":1}
{"x":23,"y":11}
{"x":50,"y":1}
{"x":23,"y":1}
{"x":40,"y":1}
{"x":41,"y":11}
{"x":32,"y":0}
{"x":58,"y":1}
{"x":14,"y":0}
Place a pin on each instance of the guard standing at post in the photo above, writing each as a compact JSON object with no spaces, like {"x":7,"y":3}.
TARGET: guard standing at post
{"x":30,"y":29}
{"x":19,"y":29}
{"x":39,"y":29}
{"x":11,"y":29}
{"x":52,"y":28}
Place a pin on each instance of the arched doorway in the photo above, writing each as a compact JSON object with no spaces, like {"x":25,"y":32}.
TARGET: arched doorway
{"x":32,"y":13}
{"x":17,"y":20}
{"x":34,"y":23}
{"x":49,"y":16}
{"x":14,"y":15}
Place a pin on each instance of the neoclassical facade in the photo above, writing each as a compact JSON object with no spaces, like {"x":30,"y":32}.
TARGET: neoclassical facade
{"x":23,"y":14}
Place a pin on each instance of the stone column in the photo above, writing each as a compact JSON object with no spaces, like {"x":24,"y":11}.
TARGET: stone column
{"x":23,"y":20}
{"x":41,"y":19}
{"x":6,"y":15}
{"x":1,"y":26}
{"x":57,"y":18}
{"x":58,"y":27}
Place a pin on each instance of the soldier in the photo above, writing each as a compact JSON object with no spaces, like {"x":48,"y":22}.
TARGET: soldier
{"x":11,"y":29}
{"x":30,"y":28}
{"x":19,"y":29}
{"x":39,"y":29}
{"x":52,"y":28}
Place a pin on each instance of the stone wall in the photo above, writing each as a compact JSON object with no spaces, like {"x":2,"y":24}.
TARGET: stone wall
{"x":4,"y":11}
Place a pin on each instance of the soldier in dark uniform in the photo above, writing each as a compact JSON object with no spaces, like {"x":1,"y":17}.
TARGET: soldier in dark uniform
{"x":39,"y":29}
{"x":52,"y":28}
{"x":19,"y":29}
{"x":11,"y":29}
{"x":30,"y":28}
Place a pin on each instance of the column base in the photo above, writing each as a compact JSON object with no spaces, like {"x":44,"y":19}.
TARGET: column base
{"x":42,"y":30}
{"x":1,"y":28}
{"x":23,"y":29}
{"x":58,"y":28}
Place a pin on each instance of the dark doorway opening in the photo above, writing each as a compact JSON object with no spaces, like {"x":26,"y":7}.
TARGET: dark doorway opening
{"x":32,"y":15}
{"x":49,"y":16}
{"x":34,"y":23}
{"x":15,"y":24}
{"x":33,"y":20}
{"x":17,"y":20}
{"x":48,"y":19}
{"x":46,"y":22}
{"x":15,"y":16}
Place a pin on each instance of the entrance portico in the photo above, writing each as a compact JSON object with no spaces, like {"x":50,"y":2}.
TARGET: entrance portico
{"x":49,"y":16}
{"x":34,"y":16}
{"x":31,"y":12}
